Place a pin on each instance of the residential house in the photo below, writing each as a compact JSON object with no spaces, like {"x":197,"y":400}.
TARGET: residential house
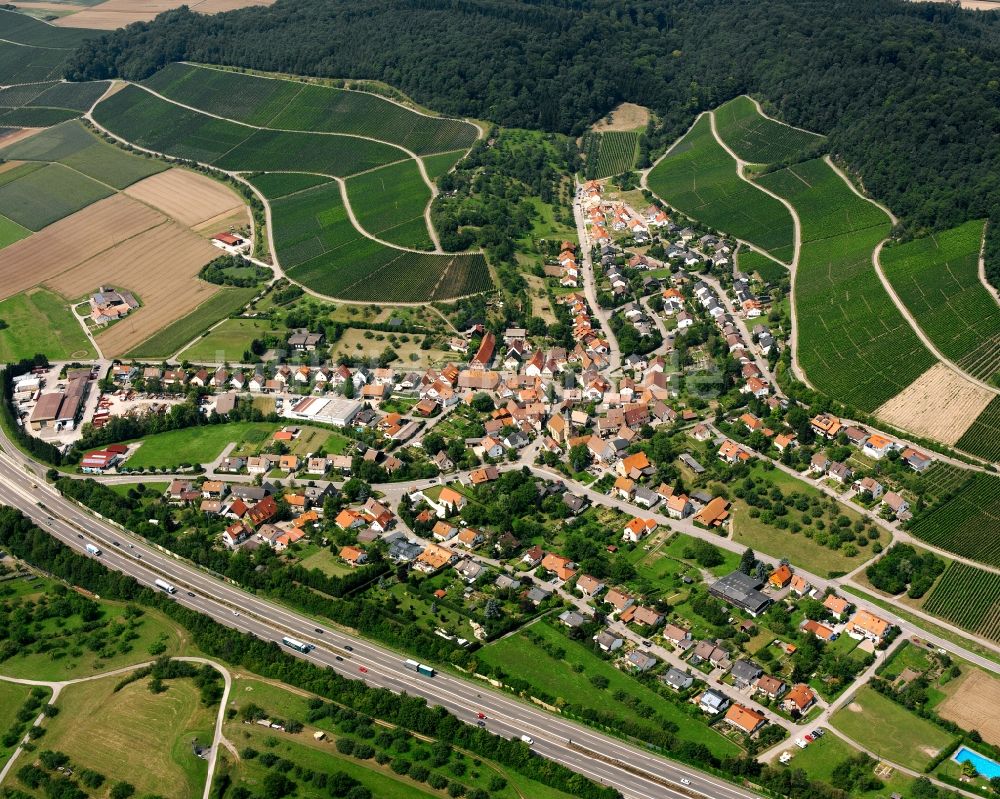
{"x":819,"y":630}
{"x":896,"y":504}
{"x":637,"y":529}
{"x":869,"y":485}
{"x":745,"y":719}
{"x":562,"y":568}
{"x":838,"y":606}
{"x":799,"y":699}
{"x":608,"y":641}
{"x":745,"y":672}
{"x":712,"y":701}
{"x":780,"y":577}
{"x":677,"y":679}
{"x":641,"y":661}
{"x":865,"y":624}
{"x":589,"y":586}
{"x":771,"y":687}
{"x":353,"y":556}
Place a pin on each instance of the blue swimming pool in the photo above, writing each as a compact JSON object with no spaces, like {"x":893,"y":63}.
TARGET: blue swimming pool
{"x":986,"y":767}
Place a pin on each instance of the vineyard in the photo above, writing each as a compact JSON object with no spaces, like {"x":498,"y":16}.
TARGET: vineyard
{"x":296,"y":105}
{"x":52,"y":100}
{"x":759,"y":139}
{"x":752,"y":262}
{"x":968,"y":523}
{"x":983,"y":436}
{"x":33,"y":51}
{"x":318,"y":246}
{"x":614,"y":154}
{"x":389,"y":203}
{"x":940,"y":481}
{"x":437,"y":165}
{"x":853,"y":342}
{"x":937,"y":279}
{"x":147,"y":121}
{"x":699,"y":178}
{"x":280,"y":184}
{"x":970,"y":598}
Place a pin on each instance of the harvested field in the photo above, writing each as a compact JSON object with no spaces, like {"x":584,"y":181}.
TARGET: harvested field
{"x":14,"y":135}
{"x":172,"y":254}
{"x":188,"y":197}
{"x":972,"y":705}
{"x":117,"y":13}
{"x":627,"y":116}
{"x":73,"y":240}
{"x":940,"y":404}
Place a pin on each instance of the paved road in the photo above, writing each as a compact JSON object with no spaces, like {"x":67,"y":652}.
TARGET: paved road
{"x":646,"y":777}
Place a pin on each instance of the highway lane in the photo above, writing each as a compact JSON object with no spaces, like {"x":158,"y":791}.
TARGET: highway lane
{"x":233,"y":607}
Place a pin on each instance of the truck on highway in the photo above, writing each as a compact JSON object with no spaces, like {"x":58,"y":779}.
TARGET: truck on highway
{"x":419,"y":668}
{"x":527,"y":739}
{"x":94,"y":550}
{"x":299,"y":646}
{"x":163,"y":585}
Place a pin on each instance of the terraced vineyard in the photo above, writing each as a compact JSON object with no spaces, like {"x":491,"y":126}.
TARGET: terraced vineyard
{"x":983,"y":436}
{"x":757,"y":138}
{"x":155,"y":124}
{"x":390,"y":202}
{"x":616,"y":153}
{"x":970,"y":598}
{"x":937,"y":278}
{"x":853,"y":342}
{"x":968,"y":523}
{"x":298,"y":105}
{"x":318,"y":246}
{"x":699,"y":178}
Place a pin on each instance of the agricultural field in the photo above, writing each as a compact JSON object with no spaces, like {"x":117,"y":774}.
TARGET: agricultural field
{"x":941,"y":404}
{"x":227,"y":342}
{"x":616,"y":153}
{"x":35,"y":197}
{"x":752,"y":262}
{"x":390,"y":202}
{"x":193,"y":199}
{"x":135,"y":735}
{"x":890,"y":730}
{"x":699,"y":178}
{"x":968,"y":597}
{"x":297,"y":105}
{"x":158,"y":125}
{"x":937,"y":278}
{"x":318,"y":246}
{"x":111,"y":14}
{"x":44,"y":104}
{"x":941,"y":480}
{"x":971,"y":703}
{"x":33,"y":51}
{"x":983,"y":436}
{"x":168,"y":340}
{"x":437,"y":165}
{"x":10,"y":232}
{"x":968,"y":523}
{"x":72,"y":144}
{"x":25,"y":314}
{"x":757,"y":138}
{"x":275,"y":185}
{"x":853,"y":343}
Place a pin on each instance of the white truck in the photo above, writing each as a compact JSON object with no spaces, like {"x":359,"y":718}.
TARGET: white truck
{"x":163,"y":585}
{"x":93,"y":549}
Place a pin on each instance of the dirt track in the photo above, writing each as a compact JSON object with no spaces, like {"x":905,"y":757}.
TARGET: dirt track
{"x":940,"y":404}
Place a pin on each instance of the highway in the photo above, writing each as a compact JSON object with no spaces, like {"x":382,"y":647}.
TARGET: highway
{"x":598,"y":756}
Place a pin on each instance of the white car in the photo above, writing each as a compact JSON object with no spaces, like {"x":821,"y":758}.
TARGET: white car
{"x":685,"y":781}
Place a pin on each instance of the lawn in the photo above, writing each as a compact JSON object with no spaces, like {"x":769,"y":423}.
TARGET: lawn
{"x":12,"y":696}
{"x":227,"y":342}
{"x":891,"y":731}
{"x":70,"y":655}
{"x":175,"y":335}
{"x":823,"y":755}
{"x":10,"y":231}
{"x":195,"y":444}
{"x":25,"y":314}
{"x":124,"y":488}
{"x":521,"y":658}
{"x":328,"y":563}
{"x":699,"y":178}
{"x":135,"y":735}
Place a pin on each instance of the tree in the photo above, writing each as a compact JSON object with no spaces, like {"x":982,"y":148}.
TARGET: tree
{"x":747,"y":561}
{"x":122,"y":790}
{"x":579,"y":457}
{"x":276,"y":785}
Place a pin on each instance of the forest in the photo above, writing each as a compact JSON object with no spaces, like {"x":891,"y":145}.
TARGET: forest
{"x":906,"y":92}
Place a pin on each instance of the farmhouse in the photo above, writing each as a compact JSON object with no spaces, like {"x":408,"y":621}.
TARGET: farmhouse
{"x":107,"y":305}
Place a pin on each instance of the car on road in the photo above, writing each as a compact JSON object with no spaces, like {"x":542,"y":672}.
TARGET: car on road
{"x":190,"y":594}
{"x":318,"y":630}
{"x":338,"y":657}
{"x":349,"y":648}
{"x":647,"y":643}
{"x":79,"y":535}
{"x":685,"y":781}
{"x":819,"y":732}
{"x":116,"y":543}
{"x":362,"y":669}
{"x":480,"y":715}
{"x":481,"y":723}
{"x":236,"y":613}
{"x":527,"y":739}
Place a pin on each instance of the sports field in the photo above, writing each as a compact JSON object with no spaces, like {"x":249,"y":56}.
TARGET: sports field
{"x":25,"y":314}
{"x":195,"y":444}
{"x":937,"y":278}
{"x":389,"y":203}
{"x":297,"y":105}
{"x":757,"y":138}
{"x":699,"y":178}
{"x":890,"y":730}
{"x":73,"y":145}
{"x":853,"y":343}
{"x":134,"y":735}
